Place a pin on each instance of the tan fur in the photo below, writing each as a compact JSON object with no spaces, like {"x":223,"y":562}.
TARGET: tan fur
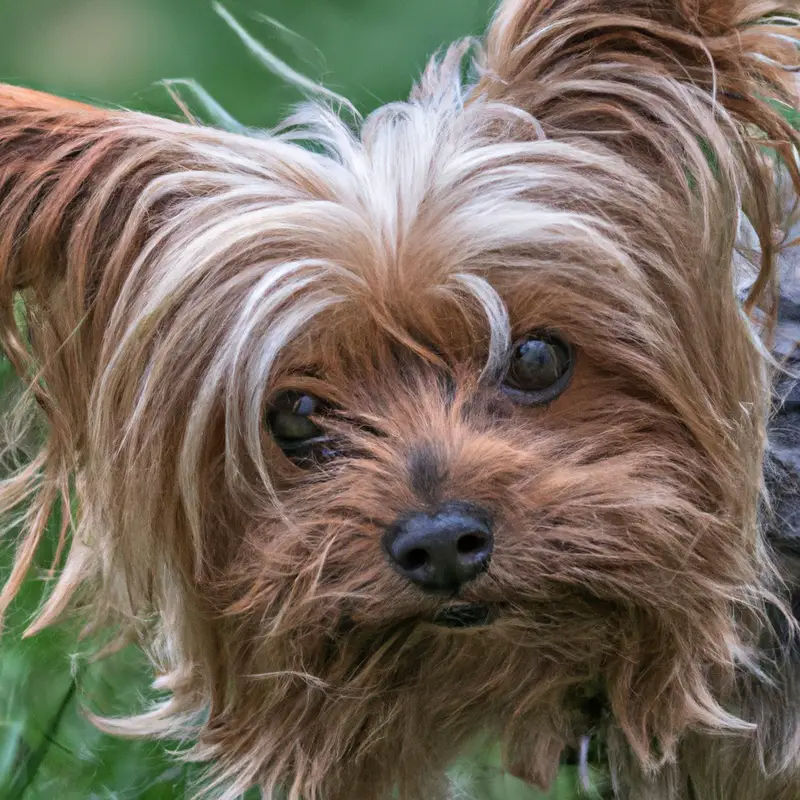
{"x":176,"y":277}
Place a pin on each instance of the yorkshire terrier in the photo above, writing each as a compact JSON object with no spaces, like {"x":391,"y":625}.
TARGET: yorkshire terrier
{"x":384,"y":438}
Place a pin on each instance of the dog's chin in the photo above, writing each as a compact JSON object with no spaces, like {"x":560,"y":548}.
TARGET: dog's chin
{"x":465,"y":616}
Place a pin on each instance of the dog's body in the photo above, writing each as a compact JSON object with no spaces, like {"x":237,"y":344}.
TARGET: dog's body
{"x":451,"y":427}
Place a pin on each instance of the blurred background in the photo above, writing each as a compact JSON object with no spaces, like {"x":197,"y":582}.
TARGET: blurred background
{"x":115,"y":52}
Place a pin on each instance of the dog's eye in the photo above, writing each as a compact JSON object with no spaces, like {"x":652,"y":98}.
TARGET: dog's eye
{"x":540,"y":369}
{"x":291,"y":422}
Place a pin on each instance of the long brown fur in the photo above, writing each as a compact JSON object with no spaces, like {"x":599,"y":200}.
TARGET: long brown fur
{"x":591,"y":180}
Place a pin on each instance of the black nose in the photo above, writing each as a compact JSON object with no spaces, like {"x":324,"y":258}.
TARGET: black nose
{"x":442,"y":551}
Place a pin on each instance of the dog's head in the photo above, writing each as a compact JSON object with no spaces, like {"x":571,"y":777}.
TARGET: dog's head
{"x":414,"y":433}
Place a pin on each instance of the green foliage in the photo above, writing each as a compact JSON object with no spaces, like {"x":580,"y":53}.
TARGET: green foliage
{"x":118,"y":51}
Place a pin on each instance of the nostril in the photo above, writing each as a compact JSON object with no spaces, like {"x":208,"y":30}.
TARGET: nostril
{"x":471,"y":544}
{"x":416,"y":558}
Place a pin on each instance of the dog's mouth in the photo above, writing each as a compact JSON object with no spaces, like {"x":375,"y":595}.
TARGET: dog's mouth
{"x":466,"y":615}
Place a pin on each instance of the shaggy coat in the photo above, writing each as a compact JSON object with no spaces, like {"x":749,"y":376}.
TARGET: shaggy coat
{"x":161,"y":284}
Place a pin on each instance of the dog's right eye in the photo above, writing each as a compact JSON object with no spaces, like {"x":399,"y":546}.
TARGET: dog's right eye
{"x":540,"y":369}
{"x":291,"y":421}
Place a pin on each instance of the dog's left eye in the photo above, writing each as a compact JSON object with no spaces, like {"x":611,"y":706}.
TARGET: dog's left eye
{"x":291,"y":422}
{"x":540,"y":368}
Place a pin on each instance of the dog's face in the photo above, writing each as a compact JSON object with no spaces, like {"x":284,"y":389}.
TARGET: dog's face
{"x":433,"y":452}
{"x":413,"y":435}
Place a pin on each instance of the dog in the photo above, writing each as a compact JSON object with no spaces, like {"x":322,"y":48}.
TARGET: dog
{"x":389,"y":436}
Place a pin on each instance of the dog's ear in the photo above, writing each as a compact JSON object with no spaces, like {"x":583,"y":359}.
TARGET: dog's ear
{"x":616,"y":66}
{"x":70,"y":176}
{"x":83,"y":193}
{"x":694,"y":91}
{"x":62,"y":211}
